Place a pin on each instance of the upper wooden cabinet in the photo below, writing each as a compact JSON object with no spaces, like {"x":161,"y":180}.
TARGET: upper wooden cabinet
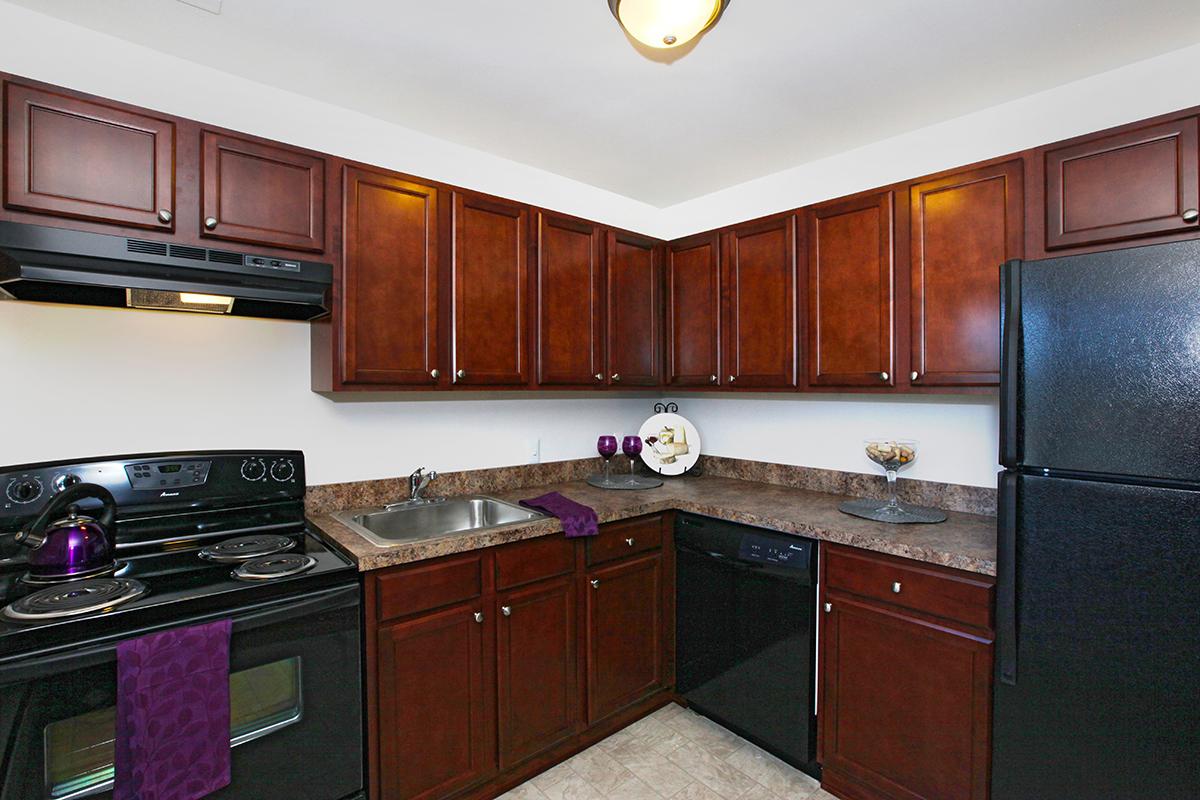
{"x":694,"y":312}
{"x":1120,"y":186}
{"x":389,"y":280}
{"x":634,"y":310}
{"x":759,"y":320}
{"x":570,"y":300}
{"x":264,"y":194}
{"x":490,"y":290}
{"x":964,"y":226}
{"x":851,"y":292}
{"x":91,"y":160}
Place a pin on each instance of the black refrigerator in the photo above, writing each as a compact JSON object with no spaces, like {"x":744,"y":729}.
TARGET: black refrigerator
{"x":1097,"y":689}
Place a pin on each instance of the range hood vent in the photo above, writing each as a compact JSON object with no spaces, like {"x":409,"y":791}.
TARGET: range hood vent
{"x":62,"y":266}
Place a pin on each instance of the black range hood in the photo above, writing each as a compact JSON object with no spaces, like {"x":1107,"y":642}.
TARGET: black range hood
{"x":56,"y":265}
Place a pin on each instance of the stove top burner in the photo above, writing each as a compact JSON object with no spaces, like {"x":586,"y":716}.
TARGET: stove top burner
{"x":74,"y":599}
{"x":244,"y":548}
{"x":271,"y":567}
{"x":116,"y":570}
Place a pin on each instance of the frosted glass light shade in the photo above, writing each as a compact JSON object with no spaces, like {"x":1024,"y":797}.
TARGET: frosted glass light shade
{"x":666,"y":23}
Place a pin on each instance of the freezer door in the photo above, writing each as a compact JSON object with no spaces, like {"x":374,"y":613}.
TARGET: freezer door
{"x":1098,"y":642}
{"x":1102,"y":363}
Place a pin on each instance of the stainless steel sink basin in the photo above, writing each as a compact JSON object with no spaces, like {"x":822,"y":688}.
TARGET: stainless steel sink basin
{"x":411,"y":522}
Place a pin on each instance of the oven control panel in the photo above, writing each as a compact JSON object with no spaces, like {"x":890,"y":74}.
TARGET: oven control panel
{"x":167,"y":474}
{"x":773,"y":550}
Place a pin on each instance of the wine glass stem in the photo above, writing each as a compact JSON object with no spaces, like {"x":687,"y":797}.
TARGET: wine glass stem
{"x":891,"y":478}
{"x":631,"y":466}
{"x":607,"y":472}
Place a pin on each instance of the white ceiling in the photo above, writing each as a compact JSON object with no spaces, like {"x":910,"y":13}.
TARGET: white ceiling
{"x":557,"y":85}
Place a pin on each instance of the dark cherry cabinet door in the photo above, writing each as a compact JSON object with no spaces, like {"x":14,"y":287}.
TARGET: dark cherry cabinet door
{"x":436,"y":732}
{"x":634,"y":310}
{"x":1120,"y":186}
{"x":906,"y":705}
{"x":964,"y":227}
{"x":389,"y":280}
{"x":264,"y":194}
{"x":84,"y":159}
{"x":625,"y":634}
{"x":694,"y":312}
{"x":759,"y":288}
{"x":490,"y":291}
{"x":537,"y":671}
{"x":570,"y":299}
{"x":851,"y":292}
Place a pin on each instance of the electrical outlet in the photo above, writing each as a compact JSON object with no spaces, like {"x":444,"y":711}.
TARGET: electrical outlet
{"x":535,"y":451}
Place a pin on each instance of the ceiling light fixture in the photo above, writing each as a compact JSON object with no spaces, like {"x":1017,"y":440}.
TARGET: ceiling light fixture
{"x":665,"y":24}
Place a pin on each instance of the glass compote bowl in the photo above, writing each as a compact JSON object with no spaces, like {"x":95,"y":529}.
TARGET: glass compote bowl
{"x":893,"y":455}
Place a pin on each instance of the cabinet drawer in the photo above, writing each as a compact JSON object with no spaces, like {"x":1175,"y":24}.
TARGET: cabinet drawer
{"x":412,"y":590}
{"x":621,"y":539}
{"x":955,"y":596}
{"x":533,"y":560}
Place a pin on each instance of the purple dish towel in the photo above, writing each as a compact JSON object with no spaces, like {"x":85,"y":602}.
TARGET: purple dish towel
{"x":173,"y":714}
{"x":577,"y":519}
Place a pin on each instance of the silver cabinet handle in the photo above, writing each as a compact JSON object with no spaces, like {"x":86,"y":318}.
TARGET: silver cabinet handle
{"x":462,"y":373}
{"x":1191,"y":215}
{"x":479,"y":616}
{"x":896,"y":587}
{"x":210,"y":223}
{"x":598,"y":376}
{"x":165,"y":216}
{"x":883,"y":376}
{"x":732,"y":378}
{"x":506,"y":610}
{"x":616,"y":377}
{"x":828,"y":607}
{"x":712,"y":378}
{"x":629,"y":541}
{"x":435,"y":374}
{"x":915,"y":375}
{"x":595,"y":583}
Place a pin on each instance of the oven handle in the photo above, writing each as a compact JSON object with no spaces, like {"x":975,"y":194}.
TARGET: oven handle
{"x":25,"y":667}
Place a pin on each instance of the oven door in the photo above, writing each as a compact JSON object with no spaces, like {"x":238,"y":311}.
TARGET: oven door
{"x":295,"y":702}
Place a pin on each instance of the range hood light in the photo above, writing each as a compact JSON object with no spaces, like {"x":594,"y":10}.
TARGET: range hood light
{"x":206,"y":299}
{"x":665,"y":24}
{"x":179,"y":301}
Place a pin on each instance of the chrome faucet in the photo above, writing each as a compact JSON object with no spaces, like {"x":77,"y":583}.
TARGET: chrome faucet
{"x":418,"y":482}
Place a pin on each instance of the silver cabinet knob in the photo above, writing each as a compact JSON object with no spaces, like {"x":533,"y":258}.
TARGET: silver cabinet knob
{"x":210,"y":223}
{"x":165,"y":216}
{"x":616,"y":377}
{"x":896,"y":587}
{"x":479,"y":616}
{"x":595,"y":583}
{"x":883,"y":376}
{"x":598,"y":376}
{"x":732,"y":378}
{"x":506,"y":610}
{"x":462,"y":373}
{"x":1191,"y":215}
{"x":435,"y":374}
{"x":712,"y":378}
{"x":629,"y":541}
{"x":828,"y":607}
{"x":915,"y":375}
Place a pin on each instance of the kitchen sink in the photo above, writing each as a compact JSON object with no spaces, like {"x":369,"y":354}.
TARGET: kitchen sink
{"x":432,"y":519}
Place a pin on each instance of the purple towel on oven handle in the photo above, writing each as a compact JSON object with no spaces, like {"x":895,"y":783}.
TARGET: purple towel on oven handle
{"x":173,"y":714}
{"x":577,"y":519}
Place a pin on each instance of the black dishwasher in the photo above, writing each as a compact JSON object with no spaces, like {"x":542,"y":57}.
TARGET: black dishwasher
{"x":745,"y":618}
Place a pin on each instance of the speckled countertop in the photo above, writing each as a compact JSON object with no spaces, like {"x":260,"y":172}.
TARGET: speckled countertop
{"x":964,"y":541}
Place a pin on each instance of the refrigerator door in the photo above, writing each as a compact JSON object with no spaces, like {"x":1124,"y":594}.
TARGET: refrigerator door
{"x":1101,"y":368}
{"x":1098,"y":642}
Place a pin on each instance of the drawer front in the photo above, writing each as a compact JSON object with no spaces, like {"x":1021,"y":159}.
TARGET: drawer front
{"x":955,"y":596}
{"x":627,"y":538}
{"x":411,"y":590}
{"x":534,"y":560}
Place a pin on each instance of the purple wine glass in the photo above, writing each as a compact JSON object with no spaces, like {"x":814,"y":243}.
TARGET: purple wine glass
{"x":632,"y":447}
{"x":606,"y":446}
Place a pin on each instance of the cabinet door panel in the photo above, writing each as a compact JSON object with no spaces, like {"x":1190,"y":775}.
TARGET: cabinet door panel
{"x":389,"y":284}
{"x":537,"y":669}
{"x":570,"y":300}
{"x":963,"y":228}
{"x":489,"y":282}
{"x":262,"y":194}
{"x":624,"y":634}
{"x":437,"y":735}
{"x":906,"y":704}
{"x":851,"y":292}
{"x":694,"y":313}
{"x":88,"y":160}
{"x":1122,"y":186}
{"x":759,"y":284}
{"x":634,"y":308}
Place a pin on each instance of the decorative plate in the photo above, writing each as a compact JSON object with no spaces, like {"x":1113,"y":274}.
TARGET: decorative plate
{"x":671,"y":444}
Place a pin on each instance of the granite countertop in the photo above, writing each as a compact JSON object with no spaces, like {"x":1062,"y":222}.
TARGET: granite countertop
{"x":964,"y":541}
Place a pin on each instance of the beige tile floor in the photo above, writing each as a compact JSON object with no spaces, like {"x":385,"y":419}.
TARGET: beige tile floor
{"x":676,"y":754}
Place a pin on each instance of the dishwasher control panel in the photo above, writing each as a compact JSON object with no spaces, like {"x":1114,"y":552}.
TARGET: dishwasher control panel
{"x":773,"y":550}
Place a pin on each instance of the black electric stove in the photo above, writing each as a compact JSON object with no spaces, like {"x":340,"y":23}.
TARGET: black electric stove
{"x":200,"y":536}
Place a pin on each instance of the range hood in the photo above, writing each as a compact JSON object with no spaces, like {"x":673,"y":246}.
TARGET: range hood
{"x":63,"y":266}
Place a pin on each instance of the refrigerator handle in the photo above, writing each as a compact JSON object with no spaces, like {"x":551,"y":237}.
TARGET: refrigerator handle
{"x":1010,"y":358}
{"x":1006,"y":580}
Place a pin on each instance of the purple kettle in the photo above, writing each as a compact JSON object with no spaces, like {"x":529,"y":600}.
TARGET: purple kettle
{"x":73,"y":546}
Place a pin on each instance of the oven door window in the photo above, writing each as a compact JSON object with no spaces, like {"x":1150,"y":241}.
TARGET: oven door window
{"x":79,"y":750}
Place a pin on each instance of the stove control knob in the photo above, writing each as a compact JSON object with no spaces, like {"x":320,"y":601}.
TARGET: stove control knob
{"x":64,"y":481}
{"x":25,"y":490}
{"x":254,"y":469}
{"x":283,"y":470}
